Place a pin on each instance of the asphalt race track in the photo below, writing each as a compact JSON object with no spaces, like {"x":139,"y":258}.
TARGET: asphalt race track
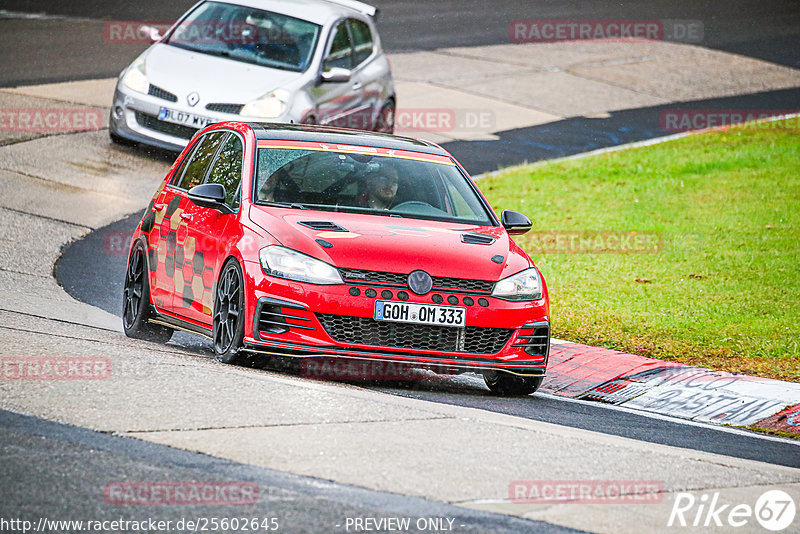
{"x":768,"y":30}
{"x":458,"y":24}
{"x":318,"y":507}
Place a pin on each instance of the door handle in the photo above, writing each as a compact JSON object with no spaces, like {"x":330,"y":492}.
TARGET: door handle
{"x":158,"y":206}
{"x":357,"y":86}
{"x":186,"y":216}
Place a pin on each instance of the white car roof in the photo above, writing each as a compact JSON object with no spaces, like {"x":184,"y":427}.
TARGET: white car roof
{"x":316,"y":11}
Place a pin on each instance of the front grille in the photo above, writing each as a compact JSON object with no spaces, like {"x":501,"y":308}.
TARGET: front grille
{"x":365,"y":331}
{"x":232,"y":109}
{"x":463,"y":284}
{"x":161,"y":93}
{"x":376,"y":277}
{"x":175,"y":130}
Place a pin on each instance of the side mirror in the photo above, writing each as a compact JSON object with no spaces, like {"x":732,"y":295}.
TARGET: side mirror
{"x":515,"y":223}
{"x":152,"y":32}
{"x":335,"y":75}
{"x":210,"y":196}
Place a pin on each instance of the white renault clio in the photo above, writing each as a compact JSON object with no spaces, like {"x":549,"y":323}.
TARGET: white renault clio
{"x":304,"y":61}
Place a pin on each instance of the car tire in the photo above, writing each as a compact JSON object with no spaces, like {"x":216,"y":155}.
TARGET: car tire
{"x":508,"y":385}
{"x":228,"y":319}
{"x":384,"y":123}
{"x":136,"y":301}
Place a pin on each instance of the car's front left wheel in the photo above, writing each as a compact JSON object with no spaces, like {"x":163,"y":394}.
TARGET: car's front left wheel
{"x":228,"y":319}
{"x":136,"y":301}
{"x":509,"y":385}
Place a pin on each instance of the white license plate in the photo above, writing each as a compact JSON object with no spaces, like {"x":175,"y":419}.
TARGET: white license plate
{"x":183,"y":118}
{"x":406,"y":312}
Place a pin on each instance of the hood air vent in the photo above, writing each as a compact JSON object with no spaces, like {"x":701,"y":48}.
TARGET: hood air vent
{"x":323,"y":226}
{"x":477,"y":239}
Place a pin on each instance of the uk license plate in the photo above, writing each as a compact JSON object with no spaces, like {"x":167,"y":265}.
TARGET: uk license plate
{"x":406,"y":312}
{"x":183,"y":118}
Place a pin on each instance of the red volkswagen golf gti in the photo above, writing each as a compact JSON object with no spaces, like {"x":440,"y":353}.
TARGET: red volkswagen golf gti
{"x":318,"y":242}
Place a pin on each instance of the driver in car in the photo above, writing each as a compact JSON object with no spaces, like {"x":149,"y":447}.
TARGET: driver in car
{"x":381,"y":188}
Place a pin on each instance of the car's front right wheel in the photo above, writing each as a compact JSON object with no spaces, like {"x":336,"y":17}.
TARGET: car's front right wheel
{"x":509,"y":385}
{"x":228,"y":318}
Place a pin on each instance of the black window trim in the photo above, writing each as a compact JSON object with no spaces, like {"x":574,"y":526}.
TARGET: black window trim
{"x":189,"y":155}
{"x":197,"y":143}
{"x":329,"y":45}
{"x":352,"y":40}
{"x":216,"y":155}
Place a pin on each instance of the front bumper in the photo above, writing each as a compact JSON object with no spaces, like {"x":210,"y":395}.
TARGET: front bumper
{"x":305,"y":320}
{"x":135,"y":116}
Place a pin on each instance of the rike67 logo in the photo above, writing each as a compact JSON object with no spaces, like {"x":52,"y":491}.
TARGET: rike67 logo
{"x":774,"y":510}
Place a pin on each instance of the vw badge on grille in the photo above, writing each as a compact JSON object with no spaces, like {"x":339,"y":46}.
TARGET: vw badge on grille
{"x":420,"y":282}
{"x":193,"y":99}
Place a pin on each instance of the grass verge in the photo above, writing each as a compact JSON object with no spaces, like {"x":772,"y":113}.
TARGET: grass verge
{"x":686,"y":251}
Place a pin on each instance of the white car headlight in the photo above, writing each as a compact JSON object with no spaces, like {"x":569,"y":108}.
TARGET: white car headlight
{"x":136,"y":76}
{"x":271,"y":106}
{"x":287,"y":263}
{"x":525,"y":285}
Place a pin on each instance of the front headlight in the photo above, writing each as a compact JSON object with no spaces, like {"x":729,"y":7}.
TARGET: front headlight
{"x":271,"y":106}
{"x":287,"y":263}
{"x":525,"y":285}
{"x":136,"y":76}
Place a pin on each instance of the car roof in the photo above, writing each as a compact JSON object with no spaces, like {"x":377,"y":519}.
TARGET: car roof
{"x":342,"y":136}
{"x":316,"y":11}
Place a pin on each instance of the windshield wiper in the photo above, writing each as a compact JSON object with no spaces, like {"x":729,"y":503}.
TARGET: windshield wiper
{"x":293,"y":205}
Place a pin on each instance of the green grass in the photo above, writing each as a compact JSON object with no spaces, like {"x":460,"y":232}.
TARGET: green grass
{"x":724,"y":290}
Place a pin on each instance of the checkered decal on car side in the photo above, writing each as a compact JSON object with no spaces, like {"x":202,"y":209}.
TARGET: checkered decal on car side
{"x":172,"y":253}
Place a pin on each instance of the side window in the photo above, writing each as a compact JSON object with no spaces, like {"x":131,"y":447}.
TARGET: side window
{"x":341,"y":54}
{"x":198,"y":165}
{"x":362,"y":41}
{"x":227,"y":169}
{"x":176,"y":176}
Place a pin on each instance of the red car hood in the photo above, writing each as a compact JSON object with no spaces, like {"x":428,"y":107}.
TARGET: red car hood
{"x":393,"y":244}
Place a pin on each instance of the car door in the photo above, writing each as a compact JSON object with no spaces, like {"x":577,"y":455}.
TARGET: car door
{"x":173,"y":252}
{"x":367,"y":74}
{"x":207,"y":231}
{"x":162,"y":236}
{"x":337,"y":101}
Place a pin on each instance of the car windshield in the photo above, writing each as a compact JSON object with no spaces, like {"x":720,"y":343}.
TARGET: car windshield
{"x":366,"y":180}
{"x":249,"y":35}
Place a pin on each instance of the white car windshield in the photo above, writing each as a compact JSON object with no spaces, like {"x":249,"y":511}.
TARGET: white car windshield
{"x":249,"y":35}
{"x":410,"y":185}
